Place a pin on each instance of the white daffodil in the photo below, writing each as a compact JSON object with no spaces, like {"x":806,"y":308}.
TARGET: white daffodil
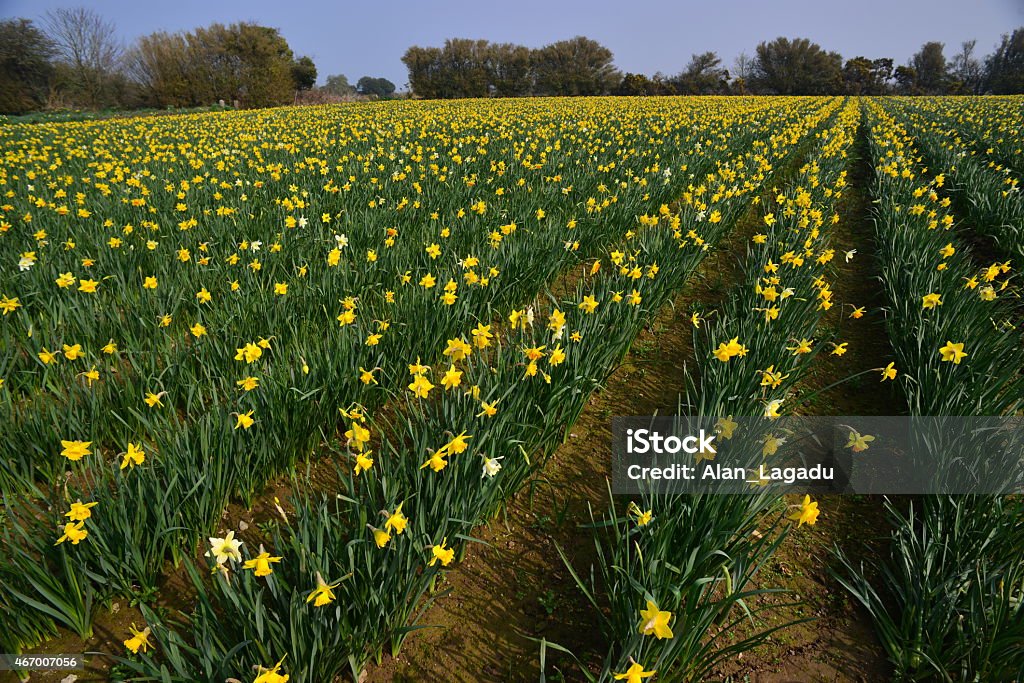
{"x":225,"y":548}
{"x":491,"y":466}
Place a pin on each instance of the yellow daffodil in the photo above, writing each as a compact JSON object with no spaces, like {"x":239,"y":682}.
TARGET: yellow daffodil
{"x":952,"y":353}
{"x":889,"y":372}
{"x":80,"y":511}
{"x":441,"y":553}
{"x":75,"y":450}
{"x":248,"y":383}
{"x":858,"y":442}
{"x":139,"y":640}
{"x":134,"y":456}
{"x":272,"y":675}
{"x":634,"y":674}
{"x":654,"y":622}
{"x":323,"y":594}
{"x":363,"y":462}
{"x":807,"y":512}
{"x":436,"y":461}
{"x":420,"y":386}
{"x":261,"y":563}
{"x":74,"y":532}
{"x":244,"y":420}
{"x":396,"y":521}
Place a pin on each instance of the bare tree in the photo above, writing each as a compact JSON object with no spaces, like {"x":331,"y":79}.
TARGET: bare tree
{"x":967,"y":69}
{"x":159,"y":65}
{"x":87,"y":46}
{"x":743,"y":66}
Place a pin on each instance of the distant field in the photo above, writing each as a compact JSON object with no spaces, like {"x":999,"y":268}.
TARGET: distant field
{"x":65,"y":116}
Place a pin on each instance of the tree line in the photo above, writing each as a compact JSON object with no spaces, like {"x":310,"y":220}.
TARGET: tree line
{"x":73,"y":59}
{"x":477,"y":68}
{"x":581,"y":66}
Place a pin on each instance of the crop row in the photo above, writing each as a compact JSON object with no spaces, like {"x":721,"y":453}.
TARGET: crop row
{"x":989,"y":191}
{"x":680,"y":566}
{"x":946,"y":596}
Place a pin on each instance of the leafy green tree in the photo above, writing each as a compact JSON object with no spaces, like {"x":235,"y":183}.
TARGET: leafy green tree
{"x":796,"y":67}
{"x":1004,"y":68}
{"x":245,"y":62}
{"x":425,"y":76}
{"x":304,"y":73}
{"x":264,"y":64}
{"x":476,"y":68}
{"x":509,"y":71}
{"x":881,"y":69}
{"x":704,"y":75}
{"x":213,"y":72}
{"x":338,"y":85}
{"x":579,"y":66}
{"x":931,"y":68}
{"x":634,"y":85}
{"x":464,"y":65}
{"x":381,"y":87}
{"x":25,"y":68}
{"x":857,"y":75}
{"x":469,"y":68}
{"x":906,"y":79}
{"x":863,"y":76}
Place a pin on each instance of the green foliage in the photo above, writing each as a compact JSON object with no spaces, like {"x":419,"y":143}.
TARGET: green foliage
{"x":476,"y":68}
{"x":1004,"y":68}
{"x":930,"y":67}
{"x":639,"y":84}
{"x":579,"y":66}
{"x":380,"y":87}
{"x":947,"y":604}
{"x":338,"y":85}
{"x":946,"y":599}
{"x":25,"y":68}
{"x":796,"y":67}
{"x":196,"y":461}
{"x":245,"y":62}
{"x":863,"y":76}
{"x":704,"y":75}
{"x":304,"y":73}
{"x":701,"y":571}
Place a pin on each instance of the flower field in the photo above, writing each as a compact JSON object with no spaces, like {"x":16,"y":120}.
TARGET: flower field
{"x":369,"y":326}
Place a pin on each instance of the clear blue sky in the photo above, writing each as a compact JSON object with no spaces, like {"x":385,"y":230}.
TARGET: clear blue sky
{"x":368,"y":37}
